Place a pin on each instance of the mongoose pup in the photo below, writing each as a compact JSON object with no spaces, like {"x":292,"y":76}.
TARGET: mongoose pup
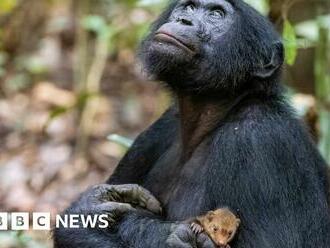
{"x":220,"y":225}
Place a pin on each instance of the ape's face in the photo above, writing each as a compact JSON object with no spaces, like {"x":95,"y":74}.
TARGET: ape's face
{"x":191,"y":29}
{"x":211,"y":46}
{"x":184,"y":43}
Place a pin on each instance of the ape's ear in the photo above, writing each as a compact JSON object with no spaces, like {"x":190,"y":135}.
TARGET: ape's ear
{"x":267,"y":68}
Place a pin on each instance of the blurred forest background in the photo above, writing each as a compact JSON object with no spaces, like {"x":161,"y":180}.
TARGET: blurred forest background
{"x":72,"y":96}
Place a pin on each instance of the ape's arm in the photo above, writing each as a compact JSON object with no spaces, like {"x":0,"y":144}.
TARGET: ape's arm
{"x":138,"y":228}
{"x":282,"y":179}
{"x":142,"y":231}
{"x":131,"y":169}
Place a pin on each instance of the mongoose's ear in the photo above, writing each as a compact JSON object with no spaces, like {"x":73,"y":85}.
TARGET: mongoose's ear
{"x":210,"y":215}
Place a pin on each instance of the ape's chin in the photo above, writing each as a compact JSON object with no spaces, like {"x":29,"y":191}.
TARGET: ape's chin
{"x":175,"y":52}
{"x":163,"y":60}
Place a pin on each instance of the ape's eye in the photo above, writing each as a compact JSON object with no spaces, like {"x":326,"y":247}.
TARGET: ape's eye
{"x":190,"y":7}
{"x":218,"y":12}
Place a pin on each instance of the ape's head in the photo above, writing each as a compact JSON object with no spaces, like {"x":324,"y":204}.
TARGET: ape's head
{"x":203,"y":46}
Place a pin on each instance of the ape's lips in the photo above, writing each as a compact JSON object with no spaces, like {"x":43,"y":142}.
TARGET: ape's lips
{"x":169,"y":38}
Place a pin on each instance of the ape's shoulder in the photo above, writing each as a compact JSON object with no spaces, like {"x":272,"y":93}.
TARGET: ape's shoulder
{"x":265,"y":119}
{"x":269,"y":132}
{"x":265,"y":108}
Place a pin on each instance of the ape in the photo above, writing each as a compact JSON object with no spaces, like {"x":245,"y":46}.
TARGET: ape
{"x":230,"y":139}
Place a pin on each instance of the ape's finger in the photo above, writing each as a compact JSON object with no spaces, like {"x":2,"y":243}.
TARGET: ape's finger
{"x":181,"y":236}
{"x":174,"y":241}
{"x":114,"y":208}
{"x":204,"y":241}
{"x":130,"y":193}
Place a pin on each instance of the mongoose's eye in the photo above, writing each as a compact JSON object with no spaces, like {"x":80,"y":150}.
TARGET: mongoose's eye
{"x":230,"y":233}
{"x":215,"y":229}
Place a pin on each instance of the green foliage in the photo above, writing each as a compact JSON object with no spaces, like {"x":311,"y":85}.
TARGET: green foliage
{"x":3,"y":60}
{"x":7,"y":6}
{"x":26,"y":67}
{"x":120,"y":140}
{"x":154,"y":5}
{"x":34,"y":65}
{"x":99,"y":26}
{"x":94,"y":23}
{"x":79,"y":104}
{"x":123,"y":22}
{"x":83,"y":98}
{"x":18,"y":81}
{"x":290,"y":43}
{"x":322,"y":75}
{"x":58,"y":111}
{"x":18,"y":239}
{"x":309,"y":30}
{"x":261,"y":5}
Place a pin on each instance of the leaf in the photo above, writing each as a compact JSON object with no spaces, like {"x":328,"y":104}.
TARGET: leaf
{"x":120,"y":140}
{"x":290,"y":43}
{"x":94,"y":23}
{"x":56,"y":112}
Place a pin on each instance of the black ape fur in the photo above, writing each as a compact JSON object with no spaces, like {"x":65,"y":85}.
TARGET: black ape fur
{"x":230,"y":139}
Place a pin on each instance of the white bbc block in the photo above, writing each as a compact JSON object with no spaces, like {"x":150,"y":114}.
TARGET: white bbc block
{"x":20,"y":221}
{"x":3,"y":221}
{"x":41,"y":221}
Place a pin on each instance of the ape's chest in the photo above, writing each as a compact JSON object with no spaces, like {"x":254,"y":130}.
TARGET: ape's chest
{"x":180,"y":186}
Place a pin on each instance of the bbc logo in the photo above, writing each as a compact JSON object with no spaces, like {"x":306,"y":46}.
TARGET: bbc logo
{"x":21,"y":221}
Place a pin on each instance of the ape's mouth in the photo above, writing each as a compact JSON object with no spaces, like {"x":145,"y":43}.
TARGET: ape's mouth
{"x":168,"y":38}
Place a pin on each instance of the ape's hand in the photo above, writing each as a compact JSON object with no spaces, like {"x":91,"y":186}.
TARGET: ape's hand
{"x":183,"y":237}
{"x":115,"y":200}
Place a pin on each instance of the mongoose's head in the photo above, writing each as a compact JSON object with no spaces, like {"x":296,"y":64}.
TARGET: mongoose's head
{"x":221,"y":225}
